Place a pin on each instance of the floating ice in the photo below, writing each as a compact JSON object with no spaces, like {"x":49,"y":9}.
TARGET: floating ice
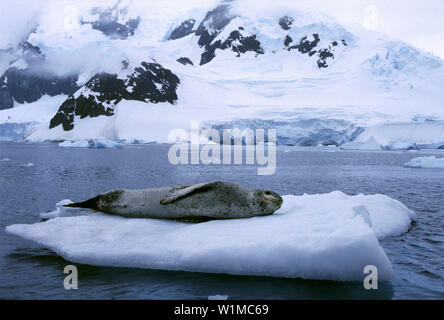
{"x":426,"y":162}
{"x":218,"y":297}
{"x":27,"y":165}
{"x":404,"y":136}
{"x":99,"y":144}
{"x":397,"y":146}
{"x":60,"y":211}
{"x":330,"y":236}
{"x":5,"y":159}
{"x":75,"y":144}
{"x":107,"y":144}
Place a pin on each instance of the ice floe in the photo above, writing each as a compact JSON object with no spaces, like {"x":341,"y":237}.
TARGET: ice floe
{"x":328,"y":236}
{"x":98,"y":144}
{"x":426,"y":162}
{"x":218,"y":297}
{"x":27,"y":165}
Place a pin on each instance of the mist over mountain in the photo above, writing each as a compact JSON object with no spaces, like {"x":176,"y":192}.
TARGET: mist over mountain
{"x":224,"y":63}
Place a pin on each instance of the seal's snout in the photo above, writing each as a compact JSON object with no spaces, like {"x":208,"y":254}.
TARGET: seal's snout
{"x":273,"y":197}
{"x":271,"y":201}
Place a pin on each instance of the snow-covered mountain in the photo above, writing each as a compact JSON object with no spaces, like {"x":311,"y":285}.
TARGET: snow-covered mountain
{"x":126,"y":72}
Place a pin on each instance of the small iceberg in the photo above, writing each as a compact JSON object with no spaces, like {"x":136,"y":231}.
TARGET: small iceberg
{"x":400,"y":146}
{"x":27,"y":165}
{"x":218,"y":297}
{"x":426,"y":162}
{"x":5,"y":159}
{"x":98,"y":144}
{"x":326,"y":237}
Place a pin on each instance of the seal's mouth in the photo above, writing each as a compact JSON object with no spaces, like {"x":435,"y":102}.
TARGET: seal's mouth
{"x":273,"y":198}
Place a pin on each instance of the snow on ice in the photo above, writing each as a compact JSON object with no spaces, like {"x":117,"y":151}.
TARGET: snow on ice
{"x":327,"y":236}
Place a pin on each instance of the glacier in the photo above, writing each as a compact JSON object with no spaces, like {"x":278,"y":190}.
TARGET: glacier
{"x":316,"y":81}
{"x":325,"y":236}
{"x":15,"y":131}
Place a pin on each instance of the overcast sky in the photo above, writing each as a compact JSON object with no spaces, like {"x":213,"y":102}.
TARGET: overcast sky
{"x":417,"y":22}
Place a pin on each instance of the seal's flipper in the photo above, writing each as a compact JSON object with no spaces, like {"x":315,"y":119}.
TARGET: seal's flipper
{"x":100,"y":202}
{"x":88,"y":204}
{"x":181,"y":192}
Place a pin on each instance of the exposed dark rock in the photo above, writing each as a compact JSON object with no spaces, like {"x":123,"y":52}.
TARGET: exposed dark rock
{"x":185,"y":61}
{"x":286,"y":22}
{"x":186,"y":28}
{"x":207,"y":56}
{"x":323,"y":55}
{"x":152,"y":83}
{"x":288,"y":40}
{"x":148,"y":83}
{"x":102,"y":89}
{"x":237,"y":42}
{"x":24,"y":85}
{"x":32,"y":54}
{"x":108,"y":24}
{"x":6,"y":101}
{"x":305,"y":46}
{"x":213,"y":23}
{"x":344,"y":43}
{"x":30,"y":84}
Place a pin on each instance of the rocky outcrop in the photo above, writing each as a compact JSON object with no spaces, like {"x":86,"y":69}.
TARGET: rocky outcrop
{"x":108,"y":23}
{"x":241,"y":41}
{"x":237,"y":42}
{"x":312,"y":48}
{"x":185,"y":29}
{"x":149,"y":82}
{"x":6,"y":100}
{"x":26,"y":80}
{"x":213,"y":23}
{"x":185,"y":61}
{"x":286,"y":22}
{"x":23,"y":85}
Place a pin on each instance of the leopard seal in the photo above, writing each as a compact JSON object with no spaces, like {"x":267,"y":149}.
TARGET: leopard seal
{"x":205,"y":201}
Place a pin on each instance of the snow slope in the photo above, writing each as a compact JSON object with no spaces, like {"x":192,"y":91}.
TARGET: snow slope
{"x":329,"y":236}
{"x":309,"y":69}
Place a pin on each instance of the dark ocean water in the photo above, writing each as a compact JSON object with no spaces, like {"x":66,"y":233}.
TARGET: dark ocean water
{"x":28,"y":271}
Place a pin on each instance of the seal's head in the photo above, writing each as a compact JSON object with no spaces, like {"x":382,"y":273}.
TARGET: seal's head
{"x":269,"y":201}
